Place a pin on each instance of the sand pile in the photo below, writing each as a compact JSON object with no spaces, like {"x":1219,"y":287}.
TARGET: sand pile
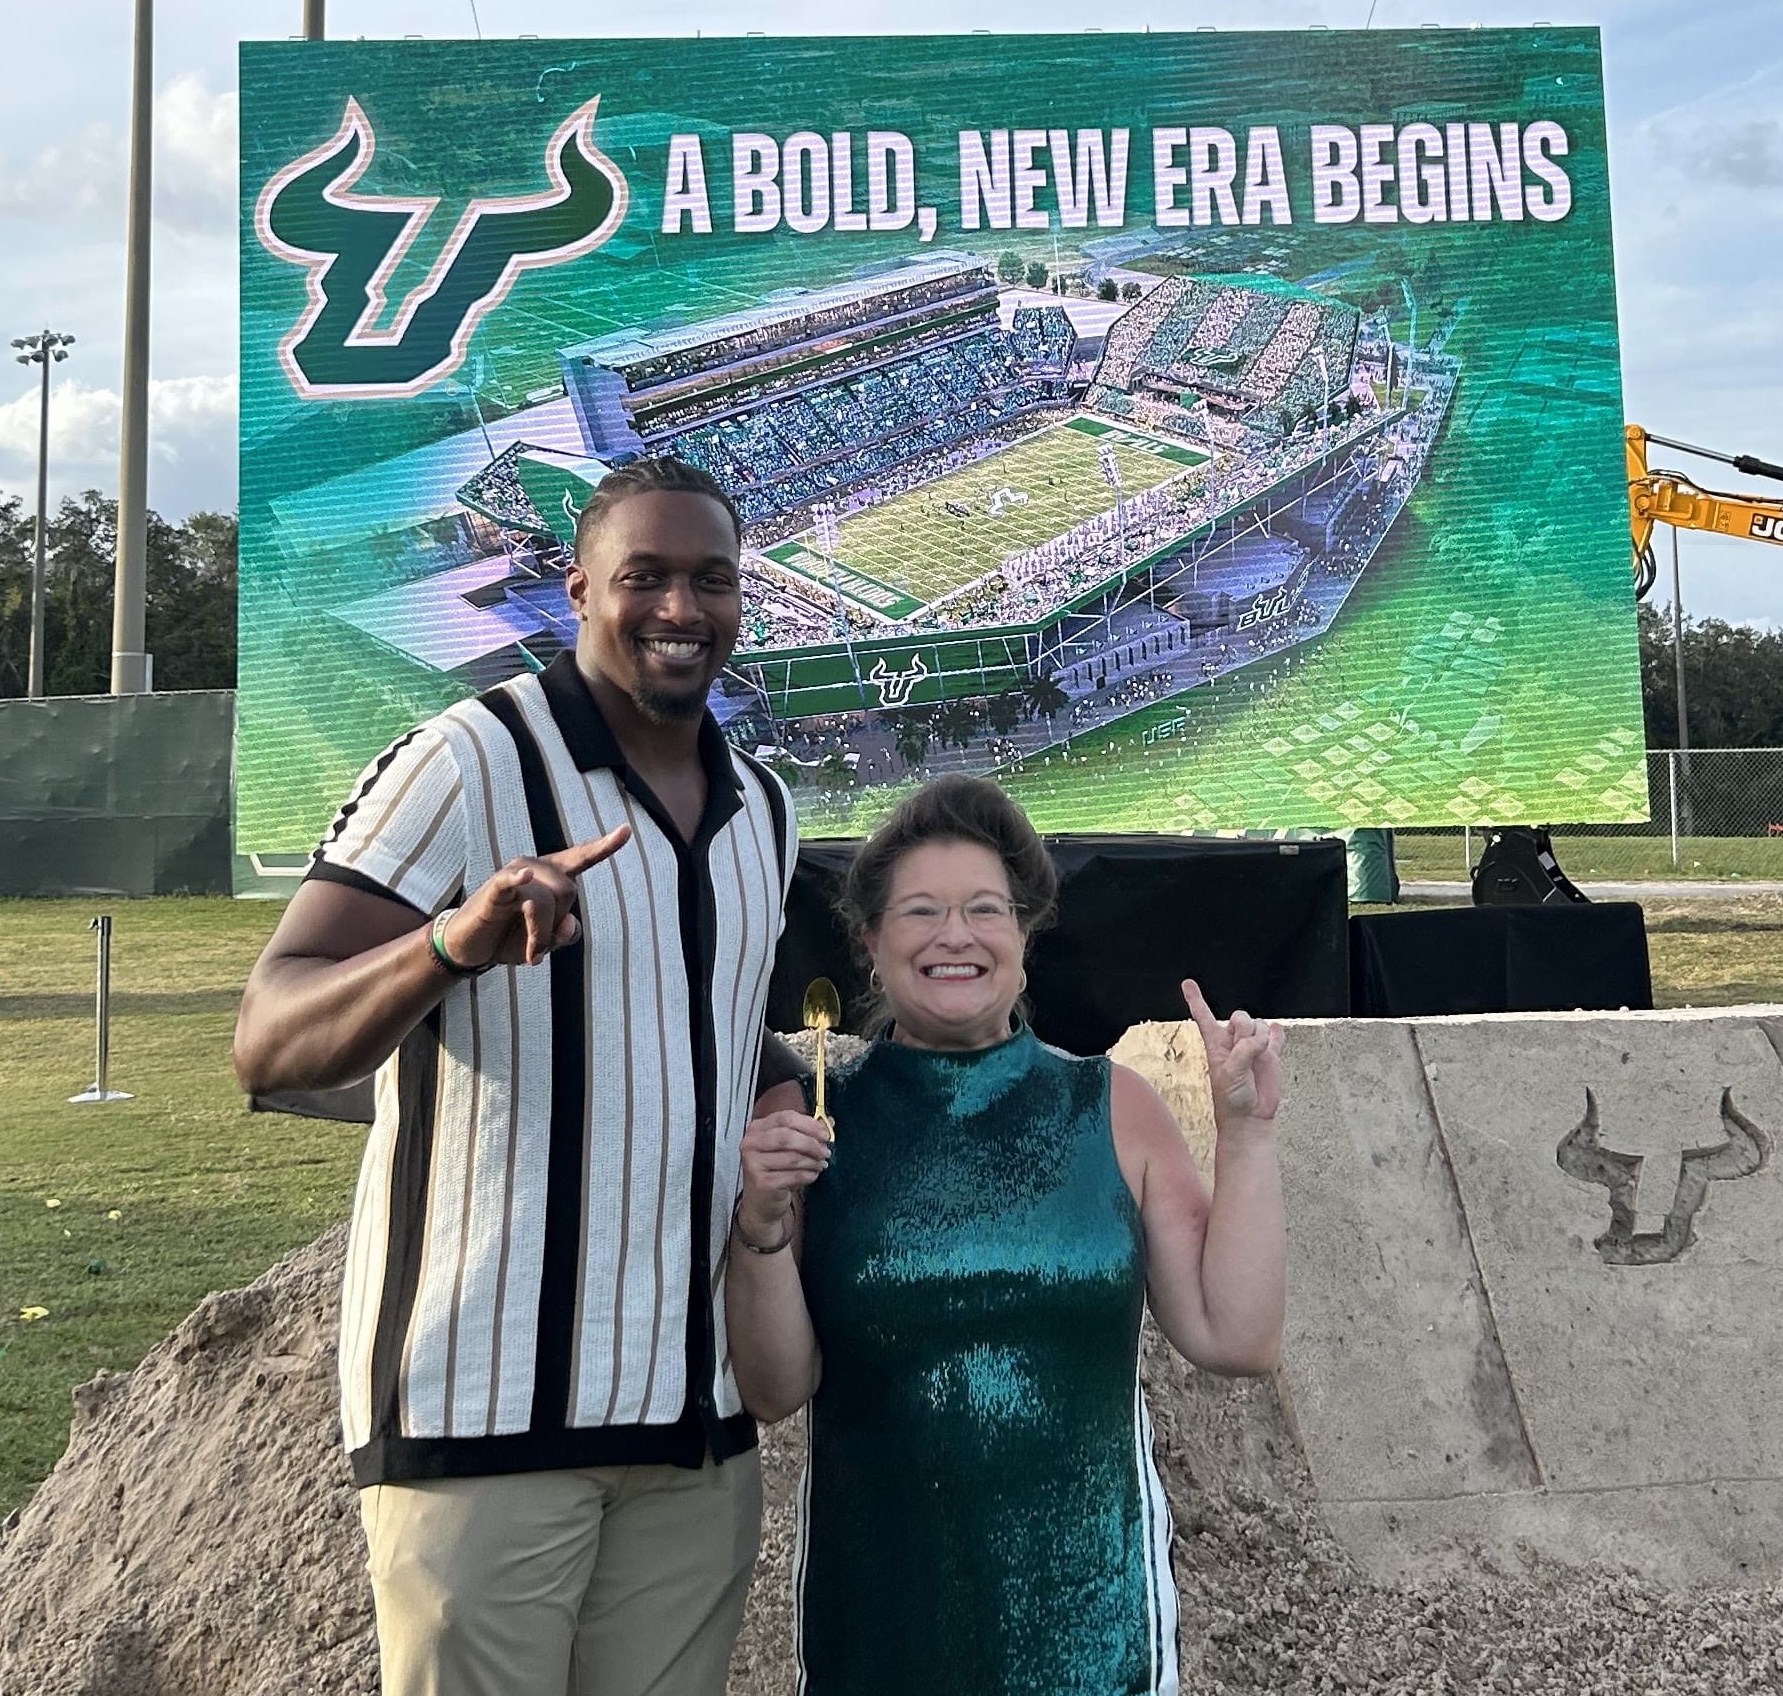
{"x":201,"y":1538}
{"x":201,"y":1535}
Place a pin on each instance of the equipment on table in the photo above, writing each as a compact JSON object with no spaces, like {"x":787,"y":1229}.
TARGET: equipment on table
{"x":1518,"y":869}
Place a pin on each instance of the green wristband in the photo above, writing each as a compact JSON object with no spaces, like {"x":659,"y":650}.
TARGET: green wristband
{"x":437,"y":937}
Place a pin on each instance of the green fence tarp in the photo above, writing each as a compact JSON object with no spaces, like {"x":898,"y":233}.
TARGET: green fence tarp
{"x":116,"y":795}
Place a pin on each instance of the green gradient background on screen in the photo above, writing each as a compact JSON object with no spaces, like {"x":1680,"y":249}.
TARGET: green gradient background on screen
{"x":1488,"y":651}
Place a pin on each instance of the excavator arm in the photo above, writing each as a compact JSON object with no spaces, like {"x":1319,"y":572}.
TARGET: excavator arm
{"x":1669,"y":497}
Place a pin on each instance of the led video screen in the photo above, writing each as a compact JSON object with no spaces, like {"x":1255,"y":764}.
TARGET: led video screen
{"x":1198,"y":432}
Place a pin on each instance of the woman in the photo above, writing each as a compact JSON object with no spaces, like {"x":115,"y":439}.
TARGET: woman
{"x":956,"y":1283}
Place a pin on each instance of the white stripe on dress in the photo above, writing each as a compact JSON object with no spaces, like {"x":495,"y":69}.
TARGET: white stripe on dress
{"x":1160,"y":1581}
{"x":801,"y":1555}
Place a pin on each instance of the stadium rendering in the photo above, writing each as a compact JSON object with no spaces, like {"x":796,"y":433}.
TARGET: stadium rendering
{"x":1009,"y":516}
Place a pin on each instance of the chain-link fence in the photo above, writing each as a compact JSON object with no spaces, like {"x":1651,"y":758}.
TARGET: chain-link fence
{"x":1712,"y":813}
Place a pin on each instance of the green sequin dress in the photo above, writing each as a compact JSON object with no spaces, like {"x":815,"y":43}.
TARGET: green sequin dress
{"x":980,"y":1515}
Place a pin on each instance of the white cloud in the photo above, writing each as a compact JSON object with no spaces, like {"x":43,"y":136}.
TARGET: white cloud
{"x":196,"y":145}
{"x":88,"y":174}
{"x":67,"y":180}
{"x":1749,"y":154}
{"x":187,"y":415}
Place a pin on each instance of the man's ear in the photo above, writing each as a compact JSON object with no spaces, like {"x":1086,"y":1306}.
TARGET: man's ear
{"x":575,"y":585}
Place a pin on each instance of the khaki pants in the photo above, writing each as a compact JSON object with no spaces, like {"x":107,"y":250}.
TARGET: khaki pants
{"x":599,"y":1581}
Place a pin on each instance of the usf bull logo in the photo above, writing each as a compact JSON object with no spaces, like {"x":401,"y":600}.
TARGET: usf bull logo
{"x":1743,"y":1150}
{"x":351,"y":245}
{"x":895,"y":686}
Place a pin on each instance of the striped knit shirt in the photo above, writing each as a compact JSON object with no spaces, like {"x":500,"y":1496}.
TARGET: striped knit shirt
{"x":536,"y":1263}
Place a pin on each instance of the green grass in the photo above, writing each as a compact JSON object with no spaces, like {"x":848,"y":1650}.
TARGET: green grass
{"x":1721,"y":952}
{"x":207,"y":1195}
{"x":1585,"y":855}
{"x":911,"y":541}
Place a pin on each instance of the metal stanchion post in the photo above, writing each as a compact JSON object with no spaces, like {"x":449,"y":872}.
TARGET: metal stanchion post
{"x":1671,"y":766}
{"x":102,"y":1018}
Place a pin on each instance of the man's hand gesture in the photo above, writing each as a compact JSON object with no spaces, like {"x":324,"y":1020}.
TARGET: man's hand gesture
{"x":528,"y":908}
{"x":1244,"y":1068}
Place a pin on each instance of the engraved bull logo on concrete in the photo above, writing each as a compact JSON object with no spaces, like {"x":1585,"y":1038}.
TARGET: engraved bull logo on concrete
{"x":1581,"y":1154}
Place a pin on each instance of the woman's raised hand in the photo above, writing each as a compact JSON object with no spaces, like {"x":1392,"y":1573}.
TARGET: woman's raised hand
{"x":783,"y":1153}
{"x":1244,"y":1068}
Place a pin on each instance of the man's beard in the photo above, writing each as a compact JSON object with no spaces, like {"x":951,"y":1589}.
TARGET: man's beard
{"x":661,"y":706}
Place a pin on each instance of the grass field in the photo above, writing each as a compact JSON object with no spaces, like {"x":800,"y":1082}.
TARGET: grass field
{"x":118,"y":1220}
{"x":1582,"y":854}
{"x":913,"y":543}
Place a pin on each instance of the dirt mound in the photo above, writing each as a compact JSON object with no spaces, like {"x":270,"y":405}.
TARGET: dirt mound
{"x":201,"y":1538}
{"x":201,"y":1535}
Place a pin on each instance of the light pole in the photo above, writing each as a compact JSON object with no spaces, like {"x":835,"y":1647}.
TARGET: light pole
{"x":46,"y":350}
{"x":1678,"y":659}
{"x":130,"y":664}
{"x":313,"y":23}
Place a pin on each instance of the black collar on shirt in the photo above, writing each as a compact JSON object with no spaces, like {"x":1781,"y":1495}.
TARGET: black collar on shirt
{"x":593,"y":746}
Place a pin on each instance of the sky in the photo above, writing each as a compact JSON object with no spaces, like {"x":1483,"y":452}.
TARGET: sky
{"x":1695,"y":104}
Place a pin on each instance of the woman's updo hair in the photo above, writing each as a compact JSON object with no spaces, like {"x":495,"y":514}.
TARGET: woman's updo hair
{"x":954,"y":808}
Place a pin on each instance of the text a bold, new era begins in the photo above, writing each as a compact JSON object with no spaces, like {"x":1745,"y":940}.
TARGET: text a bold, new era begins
{"x":1041,"y":179}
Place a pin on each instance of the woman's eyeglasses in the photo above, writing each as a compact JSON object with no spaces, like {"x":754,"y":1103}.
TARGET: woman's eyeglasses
{"x":985,"y":915}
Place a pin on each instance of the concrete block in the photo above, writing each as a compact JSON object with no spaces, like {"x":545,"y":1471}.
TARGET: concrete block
{"x":1492,"y":1350}
{"x":1172,"y":1060}
{"x":1676,"y":1535}
{"x":1663,"y":1373}
{"x":1395,"y":1378}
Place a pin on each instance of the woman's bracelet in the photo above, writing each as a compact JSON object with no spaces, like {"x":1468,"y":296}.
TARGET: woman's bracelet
{"x":756,"y":1248}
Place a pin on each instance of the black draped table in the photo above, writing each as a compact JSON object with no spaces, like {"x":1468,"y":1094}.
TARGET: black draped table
{"x":1539,"y":959}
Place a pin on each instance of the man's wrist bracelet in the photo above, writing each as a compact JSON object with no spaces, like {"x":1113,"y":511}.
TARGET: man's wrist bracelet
{"x":756,"y":1248}
{"x":436,"y":937}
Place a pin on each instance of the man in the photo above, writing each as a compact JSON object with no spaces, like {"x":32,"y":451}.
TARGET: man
{"x":546,"y":919}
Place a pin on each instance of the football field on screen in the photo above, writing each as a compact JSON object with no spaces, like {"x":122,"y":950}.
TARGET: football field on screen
{"x":1019,"y":498}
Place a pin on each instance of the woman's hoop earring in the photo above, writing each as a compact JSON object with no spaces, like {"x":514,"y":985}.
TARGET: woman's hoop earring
{"x":1021,"y":988}
{"x":875,"y":982}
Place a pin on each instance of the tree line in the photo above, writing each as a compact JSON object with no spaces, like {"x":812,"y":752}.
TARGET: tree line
{"x":1733,"y":673}
{"x":190,"y":595}
{"x":1733,"y":682}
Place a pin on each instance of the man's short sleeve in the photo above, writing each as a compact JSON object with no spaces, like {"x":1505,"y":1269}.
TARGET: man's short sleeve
{"x":401,"y":833}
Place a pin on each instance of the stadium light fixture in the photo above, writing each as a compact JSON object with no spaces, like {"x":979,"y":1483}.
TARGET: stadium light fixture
{"x":46,"y":349}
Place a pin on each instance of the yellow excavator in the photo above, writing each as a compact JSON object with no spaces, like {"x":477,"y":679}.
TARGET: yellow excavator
{"x":1669,"y":497}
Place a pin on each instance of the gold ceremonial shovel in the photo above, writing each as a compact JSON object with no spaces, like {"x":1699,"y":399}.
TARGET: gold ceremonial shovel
{"x":823,"y":1012}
